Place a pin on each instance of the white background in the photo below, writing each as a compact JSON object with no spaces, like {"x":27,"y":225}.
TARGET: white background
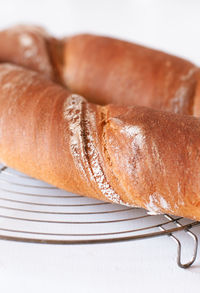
{"x":148,"y":265}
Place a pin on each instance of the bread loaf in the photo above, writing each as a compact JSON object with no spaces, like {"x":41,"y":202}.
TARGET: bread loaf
{"x":129,"y":155}
{"x":107,"y":70}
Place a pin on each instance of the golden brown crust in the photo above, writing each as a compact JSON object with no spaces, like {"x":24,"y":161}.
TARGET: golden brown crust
{"x":135,"y":155}
{"x":34,"y":133}
{"x":27,"y":46}
{"x":128,"y":155}
{"x":104,"y":69}
{"x":156,"y":155}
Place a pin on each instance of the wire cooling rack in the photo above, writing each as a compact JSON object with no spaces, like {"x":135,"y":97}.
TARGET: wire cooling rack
{"x":33,"y":211}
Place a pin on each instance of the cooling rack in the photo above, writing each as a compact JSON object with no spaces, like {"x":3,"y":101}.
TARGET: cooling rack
{"x":33,"y":211}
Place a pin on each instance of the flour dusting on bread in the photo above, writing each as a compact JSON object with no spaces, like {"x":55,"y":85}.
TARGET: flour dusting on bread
{"x":156,"y":204}
{"x":135,"y":132}
{"x":82,"y":126}
{"x":25,"y":40}
{"x":73,"y":114}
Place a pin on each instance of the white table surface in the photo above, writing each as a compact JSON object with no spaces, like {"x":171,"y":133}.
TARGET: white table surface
{"x":140,"y":266}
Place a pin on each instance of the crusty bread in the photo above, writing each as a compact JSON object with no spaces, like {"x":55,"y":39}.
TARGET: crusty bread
{"x":107,"y":70}
{"x":121,"y":153}
{"x":129,"y":155}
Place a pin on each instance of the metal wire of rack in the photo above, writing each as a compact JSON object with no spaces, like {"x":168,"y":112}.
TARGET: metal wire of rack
{"x":35,"y":212}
